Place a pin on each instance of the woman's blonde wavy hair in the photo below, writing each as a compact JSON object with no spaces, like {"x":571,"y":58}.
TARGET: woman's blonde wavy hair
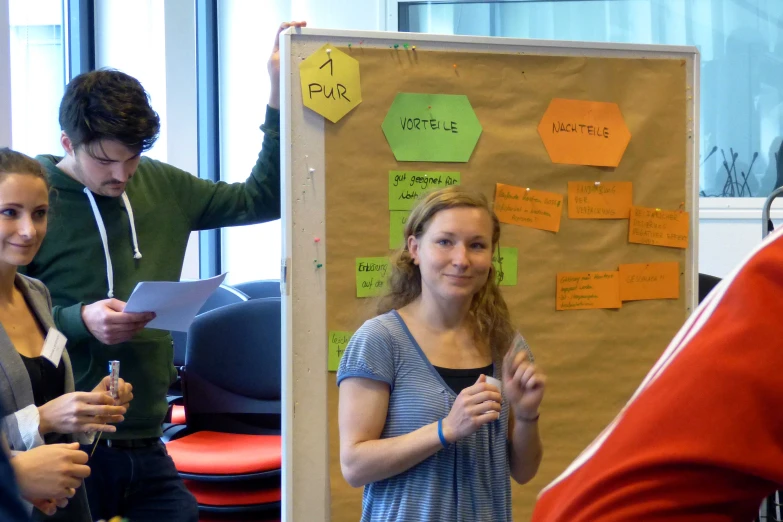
{"x":488,"y":311}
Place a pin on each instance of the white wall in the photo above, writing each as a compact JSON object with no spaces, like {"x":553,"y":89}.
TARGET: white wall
{"x":729,"y":228}
{"x":5,"y":75}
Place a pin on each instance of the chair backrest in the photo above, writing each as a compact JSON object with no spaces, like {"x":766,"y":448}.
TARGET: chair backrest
{"x":222,"y":296}
{"x":706,"y":284}
{"x":232,"y":364}
{"x":260,"y":289}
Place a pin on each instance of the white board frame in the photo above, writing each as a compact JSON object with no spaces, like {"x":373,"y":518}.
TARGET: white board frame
{"x":305,"y":465}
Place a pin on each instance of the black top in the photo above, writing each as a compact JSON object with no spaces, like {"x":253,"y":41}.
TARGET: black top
{"x":459,"y":379}
{"x":48,"y":383}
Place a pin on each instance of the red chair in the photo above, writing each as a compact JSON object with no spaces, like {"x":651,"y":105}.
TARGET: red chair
{"x":230,"y":450}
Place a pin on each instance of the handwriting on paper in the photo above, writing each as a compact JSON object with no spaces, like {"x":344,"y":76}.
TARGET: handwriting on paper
{"x":338,"y":341}
{"x":586,"y":290}
{"x":653,"y":226}
{"x":528,"y":208}
{"x":371,"y":276}
{"x":407,"y":186}
{"x":641,"y":281}
{"x":607,"y":200}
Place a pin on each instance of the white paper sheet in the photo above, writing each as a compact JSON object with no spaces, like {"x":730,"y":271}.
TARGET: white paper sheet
{"x":174,"y":303}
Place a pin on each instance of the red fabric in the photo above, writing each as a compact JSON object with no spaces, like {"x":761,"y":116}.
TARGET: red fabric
{"x":231,"y":494}
{"x":212,"y":453}
{"x":178,"y":414}
{"x":703,"y":438}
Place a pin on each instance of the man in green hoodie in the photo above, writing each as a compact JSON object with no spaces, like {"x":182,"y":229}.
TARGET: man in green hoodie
{"x":118,"y":218}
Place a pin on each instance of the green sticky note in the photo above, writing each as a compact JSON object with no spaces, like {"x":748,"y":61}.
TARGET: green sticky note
{"x":506,"y":266}
{"x":397,"y":220}
{"x":406,"y":186}
{"x":371,"y":275}
{"x":337,"y":343}
{"x":431,"y":127}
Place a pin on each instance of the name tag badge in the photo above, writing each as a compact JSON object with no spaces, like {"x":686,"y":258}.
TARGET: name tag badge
{"x":54,"y":346}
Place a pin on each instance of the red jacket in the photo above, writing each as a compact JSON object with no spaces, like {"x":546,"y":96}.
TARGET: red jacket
{"x":702,"y":437}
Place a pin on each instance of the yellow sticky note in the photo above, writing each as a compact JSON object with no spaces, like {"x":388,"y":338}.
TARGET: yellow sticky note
{"x":337,"y":343}
{"x":528,"y":208}
{"x":640,"y":281}
{"x":330,"y":83}
{"x":607,"y":200}
{"x":653,"y":226}
{"x":585,"y":290}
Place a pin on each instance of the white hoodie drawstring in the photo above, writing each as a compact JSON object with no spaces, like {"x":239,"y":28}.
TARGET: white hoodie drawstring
{"x":136,"y":251}
{"x":104,"y":239}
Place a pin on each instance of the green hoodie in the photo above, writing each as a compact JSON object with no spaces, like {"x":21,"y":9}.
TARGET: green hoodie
{"x":167,"y":204}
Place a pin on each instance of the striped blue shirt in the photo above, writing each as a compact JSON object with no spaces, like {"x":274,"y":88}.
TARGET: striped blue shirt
{"x":467,"y":482}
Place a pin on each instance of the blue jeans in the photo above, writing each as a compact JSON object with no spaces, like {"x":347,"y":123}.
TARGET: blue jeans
{"x":140,"y":484}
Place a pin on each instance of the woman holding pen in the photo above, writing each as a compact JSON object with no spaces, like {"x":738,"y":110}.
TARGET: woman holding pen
{"x":36,"y":381}
{"x":439,"y":396}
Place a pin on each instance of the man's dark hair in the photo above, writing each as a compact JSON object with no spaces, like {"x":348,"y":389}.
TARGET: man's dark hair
{"x":12,"y":162}
{"x":108,"y":105}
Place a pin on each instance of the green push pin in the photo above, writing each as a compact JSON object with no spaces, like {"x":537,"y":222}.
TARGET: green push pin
{"x":396,"y":46}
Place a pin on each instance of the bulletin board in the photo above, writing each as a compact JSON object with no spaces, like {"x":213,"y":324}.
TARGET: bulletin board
{"x":335,"y":209}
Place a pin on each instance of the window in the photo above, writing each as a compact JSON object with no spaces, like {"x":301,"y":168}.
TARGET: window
{"x":37,"y":74}
{"x":741,"y":45}
{"x":245,"y":36}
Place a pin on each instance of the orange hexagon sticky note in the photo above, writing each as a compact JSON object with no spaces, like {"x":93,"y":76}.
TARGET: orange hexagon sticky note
{"x":578,"y":132}
{"x":330,"y":83}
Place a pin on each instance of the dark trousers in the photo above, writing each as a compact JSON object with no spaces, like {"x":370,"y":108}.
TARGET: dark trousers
{"x":140,"y":484}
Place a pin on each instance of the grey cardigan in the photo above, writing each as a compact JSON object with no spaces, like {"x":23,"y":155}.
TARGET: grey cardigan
{"x":16,"y":391}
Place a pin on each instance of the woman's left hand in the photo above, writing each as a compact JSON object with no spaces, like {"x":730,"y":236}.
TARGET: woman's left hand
{"x":523,"y":386}
{"x":124,"y":390}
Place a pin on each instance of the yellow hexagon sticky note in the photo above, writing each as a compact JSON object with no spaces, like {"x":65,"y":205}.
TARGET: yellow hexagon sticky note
{"x":330,"y":83}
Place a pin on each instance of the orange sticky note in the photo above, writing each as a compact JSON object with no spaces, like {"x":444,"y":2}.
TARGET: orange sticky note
{"x":579,"y":132}
{"x":528,"y":208}
{"x":585,"y":290}
{"x":653,"y":226}
{"x":607,"y":200}
{"x":640,"y":281}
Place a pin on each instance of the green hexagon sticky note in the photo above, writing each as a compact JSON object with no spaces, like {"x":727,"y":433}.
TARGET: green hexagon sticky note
{"x":431,"y":127}
{"x":330,"y":83}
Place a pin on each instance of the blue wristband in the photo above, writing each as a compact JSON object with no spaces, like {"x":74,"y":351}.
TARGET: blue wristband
{"x":440,"y":434}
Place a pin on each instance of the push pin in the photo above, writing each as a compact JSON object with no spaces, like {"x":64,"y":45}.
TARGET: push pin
{"x":311,"y":170}
{"x":455,"y":66}
{"x":319,"y":265}
{"x":405,"y":46}
{"x":413,"y":48}
{"x":317,"y":239}
{"x":597,"y":183}
{"x":328,"y":51}
{"x":349,"y":46}
{"x":527,"y":189}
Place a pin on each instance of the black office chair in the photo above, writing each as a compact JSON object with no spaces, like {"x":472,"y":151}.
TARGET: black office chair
{"x":260,"y":289}
{"x":706,"y":284}
{"x":230,"y":452}
{"x":222,"y":296}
